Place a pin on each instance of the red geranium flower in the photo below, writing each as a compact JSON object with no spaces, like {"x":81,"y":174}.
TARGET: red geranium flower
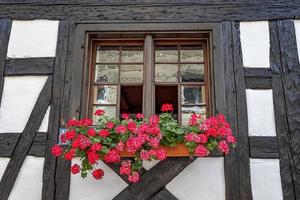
{"x":98,"y":173}
{"x":75,"y":169}
{"x":110,"y":125}
{"x":139,"y":116}
{"x":70,"y":134}
{"x":167,"y":107}
{"x":134,"y":177}
{"x":125,"y":116}
{"x":56,"y":150}
{"x":121,"y":129}
{"x":96,"y":147}
{"x":99,"y":112}
{"x":70,"y":154}
{"x":103,"y":133}
{"x":91,"y":132}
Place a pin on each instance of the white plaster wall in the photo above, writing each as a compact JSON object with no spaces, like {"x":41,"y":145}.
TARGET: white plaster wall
{"x":265,"y":179}
{"x":203,"y":179}
{"x":255,"y":43}
{"x":91,"y":189}
{"x":297,"y":30}
{"x":3,"y":164}
{"x":149,"y":164}
{"x":44,"y":124}
{"x":33,"y":38}
{"x":29,"y":181}
{"x":260,"y":109}
{"x":18,"y":99}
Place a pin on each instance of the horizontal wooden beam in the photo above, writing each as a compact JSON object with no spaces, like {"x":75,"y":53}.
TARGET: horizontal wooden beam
{"x":257,"y":72}
{"x":29,"y":66}
{"x":258,"y":78}
{"x":8,"y":142}
{"x":263,"y":147}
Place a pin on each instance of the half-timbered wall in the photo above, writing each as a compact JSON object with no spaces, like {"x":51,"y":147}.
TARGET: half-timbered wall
{"x":257,"y":78}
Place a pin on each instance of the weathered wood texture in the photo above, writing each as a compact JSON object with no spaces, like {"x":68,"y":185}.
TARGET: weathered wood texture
{"x":25,"y":141}
{"x":258,"y":78}
{"x":28,"y":66}
{"x":5,"y":27}
{"x":283,"y":129}
{"x":237,"y":172}
{"x":156,"y":11}
{"x":263,"y":147}
{"x":8,"y":142}
{"x":164,"y":194}
{"x":56,"y":175}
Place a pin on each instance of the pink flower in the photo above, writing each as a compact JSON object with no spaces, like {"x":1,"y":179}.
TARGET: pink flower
{"x":134,"y":177}
{"x":202,"y":138}
{"x":99,"y":112}
{"x":75,"y":169}
{"x":92,"y":157}
{"x":98,"y":173}
{"x":70,"y":134}
{"x":154,"y":119}
{"x":153,"y":142}
{"x":72,"y":123}
{"x":121,"y":129}
{"x":223,"y":146}
{"x":201,"y":151}
{"x":139,"y":116}
{"x":91,"y":132}
{"x":96,"y":147}
{"x":86,"y":122}
{"x":103,"y":133}
{"x":190,"y":137}
{"x":63,"y":138}
{"x":161,"y":154}
{"x":110,"y":125}
{"x":56,"y":150}
{"x":120,"y":146}
{"x":112,"y":156}
{"x":231,"y":139}
{"x":131,"y":126}
{"x":125,"y":167}
{"x":194,"y":120}
{"x":81,"y":142}
{"x":144,"y":155}
{"x":125,"y":116}
{"x":70,"y":154}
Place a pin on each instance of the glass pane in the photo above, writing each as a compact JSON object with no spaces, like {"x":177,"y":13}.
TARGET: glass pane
{"x":187,"y":111}
{"x":107,"y":54}
{"x":106,"y":94}
{"x":110,"y":111}
{"x":166,"y":72}
{"x":192,"y":94}
{"x":192,"y":72}
{"x":166,"y":54}
{"x":132,"y":54}
{"x":131,"y":99}
{"x":191,"y":54}
{"x":131,"y":73}
{"x":106,"y":73}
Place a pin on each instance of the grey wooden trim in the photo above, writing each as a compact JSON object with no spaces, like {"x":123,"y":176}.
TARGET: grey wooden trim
{"x":28,"y":66}
{"x":164,"y":194}
{"x":5,"y":27}
{"x":287,"y":168}
{"x":8,"y":142}
{"x":25,"y":141}
{"x":154,"y":12}
{"x":56,"y":172}
{"x":258,"y":83}
{"x":263,"y":147}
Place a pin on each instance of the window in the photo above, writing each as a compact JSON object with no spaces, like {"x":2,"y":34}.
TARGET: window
{"x":137,"y":73}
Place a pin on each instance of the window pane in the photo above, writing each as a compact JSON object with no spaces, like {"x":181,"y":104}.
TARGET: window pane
{"x":166,"y":54}
{"x":105,"y":94}
{"x":166,"y":94}
{"x":166,"y":72}
{"x":187,"y":111}
{"x":192,"y":94}
{"x":191,"y":54}
{"x":131,"y":73}
{"x":192,"y":72}
{"x":131,"y":100}
{"x":110,"y":111}
{"x":106,"y":73}
{"x":107,"y":54}
{"x":132,"y":54}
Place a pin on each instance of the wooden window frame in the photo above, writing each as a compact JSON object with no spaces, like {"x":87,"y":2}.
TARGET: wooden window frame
{"x":81,"y":61}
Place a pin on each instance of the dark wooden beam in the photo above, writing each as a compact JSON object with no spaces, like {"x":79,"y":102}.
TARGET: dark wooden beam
{"x":281,"y":121}
{"x":263,"y":147}
{"x":5,"y":26}
{"x":25,"y":141}
{"x":164,"y":194}
{"x":28,"y":66}
{"x":56,"y":177}
{"x":166,"y":12}
{"x":257,"y":72}
{"x":258,"y":78}
{"x":8,"y":142}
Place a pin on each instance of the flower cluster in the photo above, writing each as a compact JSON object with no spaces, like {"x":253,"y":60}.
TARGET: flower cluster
{"x":140,"y":137}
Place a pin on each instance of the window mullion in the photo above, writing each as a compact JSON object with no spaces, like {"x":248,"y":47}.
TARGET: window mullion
{"x":148,"y":100}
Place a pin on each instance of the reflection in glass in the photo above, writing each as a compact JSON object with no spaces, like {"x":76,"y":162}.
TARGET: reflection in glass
{"x":166,"y":72}
{"x":132,"y":55}
{"x":166,"y":54}
{"x":192,"y":72}
{"x":110,"y":111}
{"x":191,"y":54}
{"x":106,"y":73}
{"x":106,"y":94}
{"x":107,"y":54}
{"x":192,"y":94}
{"x":131,"y":73}
{"x":187,"y":111}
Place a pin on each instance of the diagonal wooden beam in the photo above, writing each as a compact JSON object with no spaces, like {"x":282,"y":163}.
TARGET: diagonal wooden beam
{"x":24,"y":143}
{"x":5,"y":27}
{"x":164,"y":194}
